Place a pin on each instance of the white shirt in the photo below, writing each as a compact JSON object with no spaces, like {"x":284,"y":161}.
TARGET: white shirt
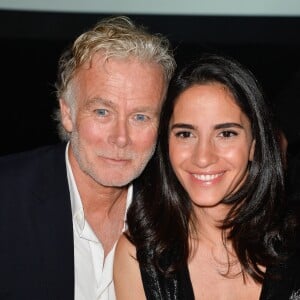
{"x":93,"y":273}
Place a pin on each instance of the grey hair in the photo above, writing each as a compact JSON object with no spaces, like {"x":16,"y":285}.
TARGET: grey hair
{"x":114,"y":37}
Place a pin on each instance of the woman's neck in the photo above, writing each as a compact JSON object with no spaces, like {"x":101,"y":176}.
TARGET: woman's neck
{"x":210,"y":239}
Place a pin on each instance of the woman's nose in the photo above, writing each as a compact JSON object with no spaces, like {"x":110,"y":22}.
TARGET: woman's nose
{"x":204,"y":154}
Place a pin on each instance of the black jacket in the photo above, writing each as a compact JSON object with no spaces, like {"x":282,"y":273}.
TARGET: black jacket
{"x":36,"y":248}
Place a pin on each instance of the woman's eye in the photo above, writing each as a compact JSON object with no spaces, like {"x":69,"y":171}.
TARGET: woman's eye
{"x":102,"y":112}
{"x":228,"y":134}
{"x":183,"y":134}
{"x":141,"y":117}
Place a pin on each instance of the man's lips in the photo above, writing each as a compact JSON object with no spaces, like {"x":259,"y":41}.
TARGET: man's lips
{"x":116,"y":159}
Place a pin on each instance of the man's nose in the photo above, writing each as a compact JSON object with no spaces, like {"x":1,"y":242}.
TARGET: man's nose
{"x":119,"y":134}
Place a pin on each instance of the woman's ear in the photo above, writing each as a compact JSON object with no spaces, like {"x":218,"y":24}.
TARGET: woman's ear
{"x":252,"y":150}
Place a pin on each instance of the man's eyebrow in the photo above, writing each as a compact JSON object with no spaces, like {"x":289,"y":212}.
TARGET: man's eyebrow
{"x":146,"y":109}
{"x":101,"y":101}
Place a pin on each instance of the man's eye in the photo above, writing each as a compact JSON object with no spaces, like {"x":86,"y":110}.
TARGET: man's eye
{"x":141,"y":117}
{"x":101,"y":112}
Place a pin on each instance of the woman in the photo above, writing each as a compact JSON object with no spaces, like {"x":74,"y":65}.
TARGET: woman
{"x":211,"y":225}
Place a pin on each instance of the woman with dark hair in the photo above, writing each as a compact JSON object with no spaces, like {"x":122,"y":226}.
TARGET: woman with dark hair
{"x":211,"y":222}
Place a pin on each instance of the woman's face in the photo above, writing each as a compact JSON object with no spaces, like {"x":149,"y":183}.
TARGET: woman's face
{"x":210,"y":143}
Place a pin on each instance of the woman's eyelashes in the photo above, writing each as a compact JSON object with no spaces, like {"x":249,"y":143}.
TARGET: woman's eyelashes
{"x":228,"y":133}
{"x":183,"y":134}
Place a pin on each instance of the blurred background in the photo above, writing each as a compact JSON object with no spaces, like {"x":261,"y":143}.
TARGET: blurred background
{"x":263,"y":35}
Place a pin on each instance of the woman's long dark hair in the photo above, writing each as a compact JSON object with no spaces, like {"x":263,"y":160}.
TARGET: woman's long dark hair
{"x":160,"y":216}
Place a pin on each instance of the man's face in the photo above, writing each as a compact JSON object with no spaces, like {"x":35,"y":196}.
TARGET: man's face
{"x":114,"y":128}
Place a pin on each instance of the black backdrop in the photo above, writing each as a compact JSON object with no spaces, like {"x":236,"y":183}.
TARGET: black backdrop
{"x":31,"y":42}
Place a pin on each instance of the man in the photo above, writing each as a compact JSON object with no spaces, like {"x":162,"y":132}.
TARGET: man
{"x":63,"y":207}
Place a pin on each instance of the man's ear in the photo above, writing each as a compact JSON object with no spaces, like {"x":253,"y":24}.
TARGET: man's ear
{"x":252,"y":150}
{"x":66,"y":115}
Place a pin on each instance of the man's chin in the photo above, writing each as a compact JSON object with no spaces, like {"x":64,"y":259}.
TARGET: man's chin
{"x":115,"y":183}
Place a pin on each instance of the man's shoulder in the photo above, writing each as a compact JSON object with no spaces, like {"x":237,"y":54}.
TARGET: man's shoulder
{"x":41,"y":172}
{"x":25,"y":162}
{"x":34,"y":155}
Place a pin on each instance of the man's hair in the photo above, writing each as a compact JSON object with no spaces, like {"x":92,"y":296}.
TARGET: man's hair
{"x":114,"y":37}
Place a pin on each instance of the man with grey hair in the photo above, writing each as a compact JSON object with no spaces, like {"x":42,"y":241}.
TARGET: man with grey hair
{"x":63,"y":207}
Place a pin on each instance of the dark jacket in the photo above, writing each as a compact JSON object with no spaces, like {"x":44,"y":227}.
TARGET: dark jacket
{"x":36,"y":248}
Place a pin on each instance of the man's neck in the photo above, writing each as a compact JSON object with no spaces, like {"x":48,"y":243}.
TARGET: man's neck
{"x":106,"y":218}
{"x":104,"y":207}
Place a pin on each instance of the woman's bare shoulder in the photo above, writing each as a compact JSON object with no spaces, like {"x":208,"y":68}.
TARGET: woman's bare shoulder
{"x":125,"y":247}
{"x":127,"y":277}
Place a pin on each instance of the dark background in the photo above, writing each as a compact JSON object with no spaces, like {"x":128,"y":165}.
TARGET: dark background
{"x":31,"y":43}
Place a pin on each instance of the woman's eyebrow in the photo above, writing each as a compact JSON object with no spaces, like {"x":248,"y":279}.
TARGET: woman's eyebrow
{"x":217,"y":126}
{"x":182,"y":125}
{"x":228,"y":125}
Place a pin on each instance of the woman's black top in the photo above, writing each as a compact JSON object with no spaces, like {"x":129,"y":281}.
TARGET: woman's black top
{"x":281,"y":283}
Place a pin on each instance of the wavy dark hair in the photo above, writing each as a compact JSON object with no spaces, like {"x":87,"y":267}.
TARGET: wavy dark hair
{"x":160,"y":217}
